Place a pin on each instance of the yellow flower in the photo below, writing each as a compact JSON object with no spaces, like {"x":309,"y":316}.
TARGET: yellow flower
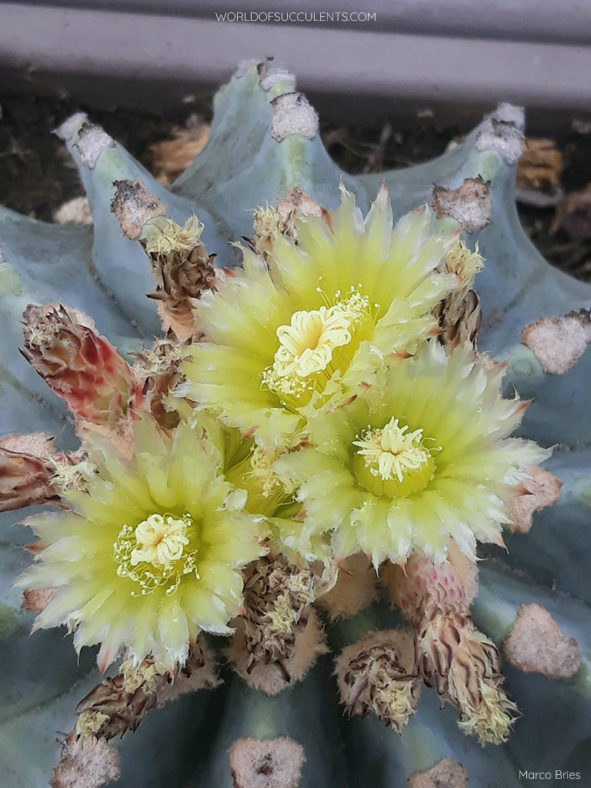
{"x":271,"y":498}
{"x":319,"y":316}
{"x":419,"y":457}
{"x":151,"y":553}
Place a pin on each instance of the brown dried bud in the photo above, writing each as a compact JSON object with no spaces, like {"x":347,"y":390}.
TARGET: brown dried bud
{"x":72,"y":471}
{"x":459,"y":314}
{"x":267,"y":225}
{"x":120,"y":704}
{"x":459,"y":317}
{"x":25,"y":471}
{"x":465,"y":668}
{"x":461,"y":662}
{"x":296,"y":203}
{"x":380,"y":674}
{"x":269,"y":222}
{"x":182,"y":269}
{"x":79,"y":365}
{"x":278,"y":635}
{"x":158,"y":370}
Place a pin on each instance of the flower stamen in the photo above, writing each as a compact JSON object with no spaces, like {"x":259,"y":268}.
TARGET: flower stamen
{"x":154,"y":553}
{"x":161,"y":540}
{"x":391,"y":451}
{"x":393,"y":461}
{"x":306,"y":346}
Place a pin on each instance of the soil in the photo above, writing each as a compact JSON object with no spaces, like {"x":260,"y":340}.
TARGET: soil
{"x":37,"y":175}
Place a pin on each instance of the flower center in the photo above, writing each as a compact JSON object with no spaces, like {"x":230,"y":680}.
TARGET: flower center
{"x":307,"y":346}
{"x":393,"y":461}
{"x":157,"y":552}
{"x":161,"y":540}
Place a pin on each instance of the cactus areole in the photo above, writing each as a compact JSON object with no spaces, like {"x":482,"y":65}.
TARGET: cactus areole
{"x":298,"y":485}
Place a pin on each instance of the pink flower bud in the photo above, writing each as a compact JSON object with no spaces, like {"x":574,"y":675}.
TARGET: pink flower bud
{"x":80,"y":366}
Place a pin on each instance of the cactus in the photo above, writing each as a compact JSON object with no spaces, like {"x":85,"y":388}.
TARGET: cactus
{"x":135,"y":377}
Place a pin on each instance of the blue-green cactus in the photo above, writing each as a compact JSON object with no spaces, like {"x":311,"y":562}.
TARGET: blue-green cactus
{"x":264,"y":140}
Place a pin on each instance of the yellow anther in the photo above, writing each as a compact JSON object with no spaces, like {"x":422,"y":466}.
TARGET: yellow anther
{"x":157,"y":552}
{"x":307,"y":344}
{"x":391,"y":451}
{"x":161,"y":540}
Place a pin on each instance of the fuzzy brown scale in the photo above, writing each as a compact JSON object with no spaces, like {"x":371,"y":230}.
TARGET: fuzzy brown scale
{"x":85,"y":763}
{"x":275,"y":763}
{"x":133,"y":205}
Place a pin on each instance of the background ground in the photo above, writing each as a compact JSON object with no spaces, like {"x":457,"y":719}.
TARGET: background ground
{"x":37,"y":176}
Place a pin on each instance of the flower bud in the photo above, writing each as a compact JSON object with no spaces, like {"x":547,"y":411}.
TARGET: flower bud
{"x":25,"y":471}
{"x":80,"y":366}
{"x":459,"y":661}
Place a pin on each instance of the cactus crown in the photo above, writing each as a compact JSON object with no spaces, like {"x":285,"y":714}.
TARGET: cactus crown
{"x":321,"y":424}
